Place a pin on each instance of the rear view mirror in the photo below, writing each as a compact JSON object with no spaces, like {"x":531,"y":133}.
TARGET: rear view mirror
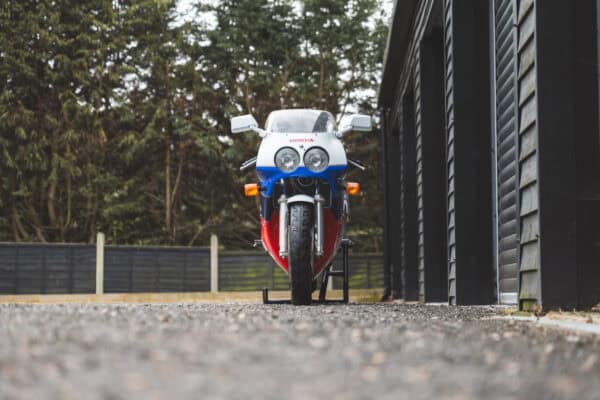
{"x":243,"y":123}
{"x":358,"y":123}
{"x":361,"y":123}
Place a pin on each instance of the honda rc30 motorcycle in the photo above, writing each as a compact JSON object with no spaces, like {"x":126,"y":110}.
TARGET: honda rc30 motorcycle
{"x":301,"y":164}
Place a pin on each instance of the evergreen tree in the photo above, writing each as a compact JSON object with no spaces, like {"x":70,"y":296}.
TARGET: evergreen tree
{"x":55,"y":104}
{"x":114,"y":115}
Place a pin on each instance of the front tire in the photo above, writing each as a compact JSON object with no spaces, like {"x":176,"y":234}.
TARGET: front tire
{"x":301,"y":235}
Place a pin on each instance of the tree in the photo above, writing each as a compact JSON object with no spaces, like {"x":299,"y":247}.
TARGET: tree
{"x":114,"y":115}
{"x":264,"y":55}
{"x":57,"y":79}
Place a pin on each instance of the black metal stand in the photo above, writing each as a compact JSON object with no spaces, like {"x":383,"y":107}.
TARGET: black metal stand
{"x":265,"y":296}
{"x":327,"y":273}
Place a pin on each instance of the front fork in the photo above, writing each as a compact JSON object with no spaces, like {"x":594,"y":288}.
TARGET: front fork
{"x":319,"y":200}
{"x":283,"y":226}
{"x":319,"y":228}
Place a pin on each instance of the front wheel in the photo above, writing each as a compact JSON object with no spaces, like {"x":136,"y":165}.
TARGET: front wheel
{"x":301,"y":235}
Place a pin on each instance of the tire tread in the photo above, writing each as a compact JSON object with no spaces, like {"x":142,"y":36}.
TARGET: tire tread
{"x":300,"y":252}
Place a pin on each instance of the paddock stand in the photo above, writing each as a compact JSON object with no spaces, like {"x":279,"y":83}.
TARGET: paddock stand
{"x":327,"y":272}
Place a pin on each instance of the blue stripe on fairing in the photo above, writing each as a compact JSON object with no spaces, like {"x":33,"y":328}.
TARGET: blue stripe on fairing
{"x":270,"y":175}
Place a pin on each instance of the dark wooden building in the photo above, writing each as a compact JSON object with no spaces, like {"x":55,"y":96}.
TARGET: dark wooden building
{"x":491,"y":145}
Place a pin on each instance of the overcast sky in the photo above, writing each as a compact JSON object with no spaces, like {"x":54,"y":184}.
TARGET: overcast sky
{"x":185,"y":8}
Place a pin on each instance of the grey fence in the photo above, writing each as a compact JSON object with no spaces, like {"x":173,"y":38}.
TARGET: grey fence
{"x":366,"y":271}
{"x":243,"y":271}
{"x":156,"y":269}
{"x":32,"y":268}
{"x":246,"y":271}
{"x":47,"y":268}
{"x":71,"y":268}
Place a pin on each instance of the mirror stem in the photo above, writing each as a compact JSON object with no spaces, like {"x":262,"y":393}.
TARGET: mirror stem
{"x":343,"y":131}
{"x":261,"y":132}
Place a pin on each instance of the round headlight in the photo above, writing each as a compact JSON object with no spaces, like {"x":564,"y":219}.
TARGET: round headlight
{"x":316,"y":159}
{"x":287,"y":159}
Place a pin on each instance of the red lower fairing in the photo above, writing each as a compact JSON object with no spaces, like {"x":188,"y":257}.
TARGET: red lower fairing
{"x":270,"y":237}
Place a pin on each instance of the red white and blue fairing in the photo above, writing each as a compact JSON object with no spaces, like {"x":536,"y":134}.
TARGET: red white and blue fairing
{"x":302,"y":131}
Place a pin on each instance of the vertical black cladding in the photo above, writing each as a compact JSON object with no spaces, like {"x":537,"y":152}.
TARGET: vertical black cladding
{"x":391,"y":177}
{"x":449,"y":124}
{"x":556,"y":153}
{"x":410,"y":277}
{"x":587,"y":147}
{"x":507,"y":148}
{"x":395,"y":211}
{"x":434,"y":168}
{"x":587,"y":142}
{"x":529,"y":211}
{"x":387,"y":269}
{"x":471,"y":273}
{"x":559,"y":171}
{"x":546,"y":146}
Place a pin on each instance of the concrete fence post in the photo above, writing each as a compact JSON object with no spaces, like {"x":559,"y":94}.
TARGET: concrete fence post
{"x":214,"y":263}
{"x":100,"y":263}
{"x":330,"y":284}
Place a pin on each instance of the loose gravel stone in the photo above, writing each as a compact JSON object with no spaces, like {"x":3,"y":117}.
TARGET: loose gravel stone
{"x":241,"y":351}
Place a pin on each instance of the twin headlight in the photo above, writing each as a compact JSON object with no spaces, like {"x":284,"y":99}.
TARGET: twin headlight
{"x":316,"y":159}
{"x":288,"y":159}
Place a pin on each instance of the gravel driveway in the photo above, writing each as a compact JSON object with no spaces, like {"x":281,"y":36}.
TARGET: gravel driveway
{"x":241,"y":351}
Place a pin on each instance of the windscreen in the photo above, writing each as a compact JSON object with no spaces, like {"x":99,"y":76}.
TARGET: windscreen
{"x":300,"y":121}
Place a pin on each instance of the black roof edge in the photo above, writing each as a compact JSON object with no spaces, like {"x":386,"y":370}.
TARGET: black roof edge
{"x":398,"y":37}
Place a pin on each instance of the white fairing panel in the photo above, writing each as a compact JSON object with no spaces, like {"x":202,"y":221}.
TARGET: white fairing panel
{"x":301,"y":142}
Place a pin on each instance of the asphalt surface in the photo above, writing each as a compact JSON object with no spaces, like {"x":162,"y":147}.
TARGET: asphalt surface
{"x":242,"y":351}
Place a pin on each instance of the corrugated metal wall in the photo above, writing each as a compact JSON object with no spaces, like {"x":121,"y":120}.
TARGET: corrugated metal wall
{"x":507,"y":148}
{"x":529,"y":287}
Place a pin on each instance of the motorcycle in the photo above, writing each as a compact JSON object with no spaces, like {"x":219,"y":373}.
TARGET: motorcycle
{"x":304,"y":207}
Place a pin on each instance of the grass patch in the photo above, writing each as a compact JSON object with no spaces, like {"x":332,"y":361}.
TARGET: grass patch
{"x":371,"y":296}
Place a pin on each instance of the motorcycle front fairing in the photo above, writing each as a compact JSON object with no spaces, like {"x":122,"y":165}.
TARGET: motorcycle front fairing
{"x":302,"y":184}
{"x":304,"y":208}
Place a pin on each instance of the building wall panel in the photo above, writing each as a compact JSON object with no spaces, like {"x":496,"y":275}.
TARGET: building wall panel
{"x":506,"y":148}
{"x":434,"y":263}
{"x":449,"y":89}
{"x":469,"y":158}
{"x":528,"y":163}
{"x":419,"y":160}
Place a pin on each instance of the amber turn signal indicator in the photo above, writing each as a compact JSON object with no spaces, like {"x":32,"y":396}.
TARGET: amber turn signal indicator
{"x":352,"y":188}
{"x":251,"y":189}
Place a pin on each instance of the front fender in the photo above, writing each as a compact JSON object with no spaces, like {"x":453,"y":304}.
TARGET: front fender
{"x":301,"y":198}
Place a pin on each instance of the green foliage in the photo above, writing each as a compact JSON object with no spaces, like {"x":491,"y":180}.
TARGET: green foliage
{"x":114,"y":114}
